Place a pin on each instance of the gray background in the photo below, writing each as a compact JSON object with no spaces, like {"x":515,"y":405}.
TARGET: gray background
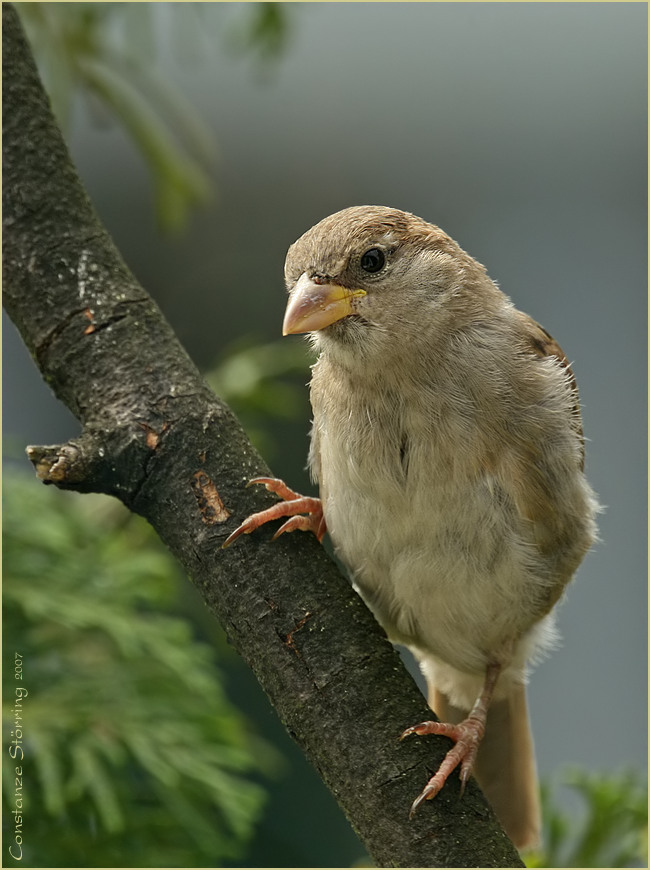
{"x":520,"y":128}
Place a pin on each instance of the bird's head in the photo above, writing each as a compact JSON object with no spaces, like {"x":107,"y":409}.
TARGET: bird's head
{"x":369,"y":278}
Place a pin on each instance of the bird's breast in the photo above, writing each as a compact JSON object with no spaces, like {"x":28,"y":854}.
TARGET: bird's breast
{"x":417,"y":510}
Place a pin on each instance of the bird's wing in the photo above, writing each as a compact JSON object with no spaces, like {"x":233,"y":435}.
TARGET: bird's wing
{"x":542,"y":344}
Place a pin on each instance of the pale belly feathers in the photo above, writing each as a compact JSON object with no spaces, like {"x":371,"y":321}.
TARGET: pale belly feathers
{"x":438,"y":553}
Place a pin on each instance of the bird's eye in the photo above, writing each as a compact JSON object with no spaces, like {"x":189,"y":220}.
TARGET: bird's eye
{"x":373,"y":260}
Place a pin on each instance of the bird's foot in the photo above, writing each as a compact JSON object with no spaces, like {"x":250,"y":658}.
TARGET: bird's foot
{"x":294,"y":506}
{"x":467,"y":736}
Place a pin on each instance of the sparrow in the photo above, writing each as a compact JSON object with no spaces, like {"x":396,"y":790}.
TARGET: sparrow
{"x":448,"y":449}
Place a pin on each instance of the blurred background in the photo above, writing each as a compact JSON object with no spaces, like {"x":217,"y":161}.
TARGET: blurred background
{"x":209,"y":137}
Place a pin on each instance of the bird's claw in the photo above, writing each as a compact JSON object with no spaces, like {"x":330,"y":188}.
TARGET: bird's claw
{"x":467,"y":737}
{"x":426,"y":794}
{"x":293,"y":505}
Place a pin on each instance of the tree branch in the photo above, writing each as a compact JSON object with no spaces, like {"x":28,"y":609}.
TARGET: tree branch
{"x":153,"y":435}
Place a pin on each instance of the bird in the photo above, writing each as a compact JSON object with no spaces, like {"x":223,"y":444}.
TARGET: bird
{"x":448,"y":450}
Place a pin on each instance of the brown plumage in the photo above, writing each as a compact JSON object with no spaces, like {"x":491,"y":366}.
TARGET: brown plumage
{"x":448,"y":449}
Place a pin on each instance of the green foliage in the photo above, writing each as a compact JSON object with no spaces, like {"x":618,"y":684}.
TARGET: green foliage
{"x":613,"y":831}
{"x":264,"y":32}
{"x":81,"y":49}
{"x":263,"y":384}
{"x":108,"y":51}
{"x":133,"y":755}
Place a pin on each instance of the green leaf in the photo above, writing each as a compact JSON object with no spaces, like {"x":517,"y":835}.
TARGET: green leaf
{"x":613,"y":827}
{"x":179,"y":182}
{"x":90,"y":777}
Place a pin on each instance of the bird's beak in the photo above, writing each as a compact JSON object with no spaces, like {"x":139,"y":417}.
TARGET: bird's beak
{"x":314,"y":306}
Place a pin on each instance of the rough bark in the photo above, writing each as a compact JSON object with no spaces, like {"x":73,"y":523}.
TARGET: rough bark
{"x":154,"y":435}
